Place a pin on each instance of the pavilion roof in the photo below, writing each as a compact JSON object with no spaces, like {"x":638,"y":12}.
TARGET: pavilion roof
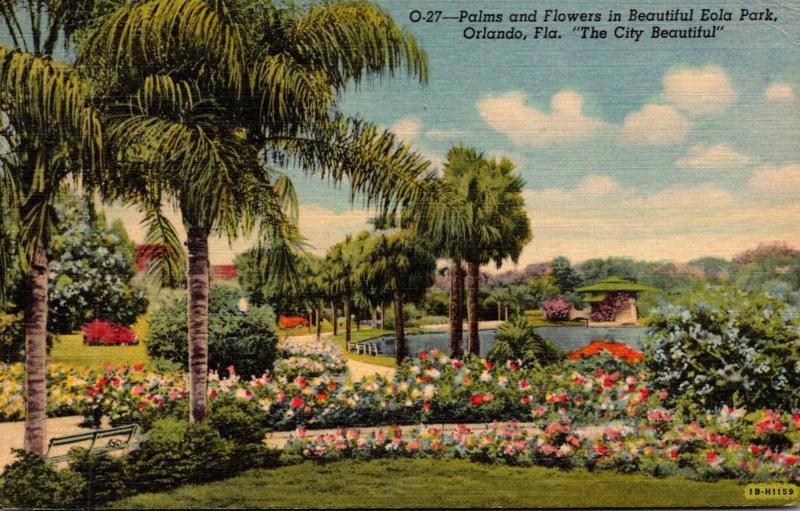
{"x":612,"y":284}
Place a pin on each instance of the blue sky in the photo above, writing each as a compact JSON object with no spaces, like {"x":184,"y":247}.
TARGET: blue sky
{"x":660,"y":149}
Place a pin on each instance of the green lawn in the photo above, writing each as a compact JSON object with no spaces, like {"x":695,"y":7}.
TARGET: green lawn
{"x":444,"y":483}
{"x":70,"y":350}
{"x":361,"y":335}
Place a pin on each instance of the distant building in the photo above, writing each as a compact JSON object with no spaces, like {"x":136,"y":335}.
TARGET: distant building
{"x":612,"y":302}
{"x":145,"y":253}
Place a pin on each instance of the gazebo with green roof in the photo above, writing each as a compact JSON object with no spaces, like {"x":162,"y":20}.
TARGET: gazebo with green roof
{"x":607,"y":291}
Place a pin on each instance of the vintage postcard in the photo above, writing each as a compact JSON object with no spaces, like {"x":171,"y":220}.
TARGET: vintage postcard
{"x":399,"y":254}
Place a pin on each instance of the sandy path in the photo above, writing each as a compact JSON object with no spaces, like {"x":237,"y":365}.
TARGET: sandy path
{"x":357,"y":369}
{"x":12,"y":434}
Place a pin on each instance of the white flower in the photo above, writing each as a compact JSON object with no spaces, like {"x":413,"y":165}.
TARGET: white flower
{"x":429,"y":391}
{"x":486,"y":376}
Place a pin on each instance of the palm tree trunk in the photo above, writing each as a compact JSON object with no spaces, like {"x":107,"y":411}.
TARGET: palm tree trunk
{"x":473,"y":276}
{"x":374,"y":317}
{"x":506,"y":312}
{"x":499,"y":317}
{"x":347,"y":322}
{"x":401,"y":349}
{"x":383,"y":317}
{"x":36,"y":353}
{"x":334,"y":318}
{"x":198,"y":284}
{"x":320,"y":305}
{"x":454,"y":311}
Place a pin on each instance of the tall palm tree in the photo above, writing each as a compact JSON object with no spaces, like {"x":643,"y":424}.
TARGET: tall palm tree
{"x":53,"y":135}
{"x":215,"y":92}
{"x":402,"y":264}
{"x":342,"y":260}
{"x":498,"y":224}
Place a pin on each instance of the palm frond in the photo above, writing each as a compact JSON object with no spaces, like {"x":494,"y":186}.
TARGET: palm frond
{"x":141,"y":34}
{"x":354,"y":40}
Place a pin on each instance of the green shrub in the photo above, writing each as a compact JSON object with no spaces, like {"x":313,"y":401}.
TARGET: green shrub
{"x":244,"y":424}
{"x":12,"y":338}
{"x":105,"y":477}
{"x":175,"y":452}
{"x":30,"y":482}
{"x":246,"y":341}
{"x":517,"y":340}
{"x":729,"y":347}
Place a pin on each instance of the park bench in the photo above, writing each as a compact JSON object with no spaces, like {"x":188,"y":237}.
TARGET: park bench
{"x":118,"y":438}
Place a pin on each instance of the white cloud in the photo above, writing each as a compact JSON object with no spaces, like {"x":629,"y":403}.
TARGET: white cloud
{"x":655,"y":125}
{"x":719,"y":156}
{"x":678,"y":223}
{"x":598,"y":185}
{"x":699,"y":91}
{"x":779,"y":93}
{"x":779,"y":184}
{"x":407,"y":128}
{"x":526,"y":125}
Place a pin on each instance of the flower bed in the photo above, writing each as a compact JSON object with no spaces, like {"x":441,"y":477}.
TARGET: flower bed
{"x":107,"y":333}
{"x":289,"y":322}
{"x":616,"y":349}
{"x":687,"y":449}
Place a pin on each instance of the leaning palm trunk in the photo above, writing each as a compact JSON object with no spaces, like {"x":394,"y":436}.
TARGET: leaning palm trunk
{"x":472,"y":307}
{"x":399,"y":331}
{"x":456,"y":323}
{"x":197,"y":313}
{"x":36,"y":353}
{"x":347,"y":322}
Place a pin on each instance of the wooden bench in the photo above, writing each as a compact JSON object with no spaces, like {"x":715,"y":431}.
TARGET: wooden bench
{"x":124,"y":432}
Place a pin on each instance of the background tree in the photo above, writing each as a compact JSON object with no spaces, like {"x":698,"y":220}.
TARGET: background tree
{"x":565,"y":277}
{"x":403,"y":266}
{"x":92,"y":265}
{"x":498,"y":223}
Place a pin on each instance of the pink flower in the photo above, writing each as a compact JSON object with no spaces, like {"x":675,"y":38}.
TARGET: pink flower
{"x":663,"y":394}
{"x":488,"y":397}
{"x":539,"y":411}
{"x":137,"y":389}
{"x":173,"y":395}
{"x":231,"y":370}
{"x":300,"y":432}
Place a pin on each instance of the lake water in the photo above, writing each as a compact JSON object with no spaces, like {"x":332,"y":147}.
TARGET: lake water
{"x":566,"y":338}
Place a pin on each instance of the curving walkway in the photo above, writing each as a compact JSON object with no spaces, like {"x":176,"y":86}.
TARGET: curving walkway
{"x":358,"y":369}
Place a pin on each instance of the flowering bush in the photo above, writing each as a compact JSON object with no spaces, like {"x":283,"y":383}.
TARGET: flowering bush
{"x":557,"y":309}
{"x":727,"y":347}
{"x":107,"y":333}
{"x":617,"y":350}
{"x":289,"y":322}
{"x":610,"y":307}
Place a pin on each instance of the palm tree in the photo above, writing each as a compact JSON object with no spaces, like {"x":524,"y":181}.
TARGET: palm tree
{"x":231,"y":88}
{"x":401,"y":264}
{"x":342,"y":260}
{"x":498,"y":224}
{"x":53,"y":135}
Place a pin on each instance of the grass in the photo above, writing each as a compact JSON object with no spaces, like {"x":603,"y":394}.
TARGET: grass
{"x":444,"y":483}
{"x":69,"y":350}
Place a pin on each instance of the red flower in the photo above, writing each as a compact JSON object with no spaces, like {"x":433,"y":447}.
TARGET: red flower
{"x":796,"y":420}
{"x":140,"y":406}
{"x":426,"y":406}
{"x":673,"y":453}
{"x":457,"y":364}
{"x":476,"y":399}
{"x":301,"y":381}
{"x":212,"y":393}
{"x":297,"y":402}
{"x":525,"y":399}
{"x":231,"y":370}
{"x":711,"y":457}
{"x":488,"y":364}
{"x":321,"y":396}
{"x":423,"y":355}
{"x":601,"y":449}
{"x":138,"y":367}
